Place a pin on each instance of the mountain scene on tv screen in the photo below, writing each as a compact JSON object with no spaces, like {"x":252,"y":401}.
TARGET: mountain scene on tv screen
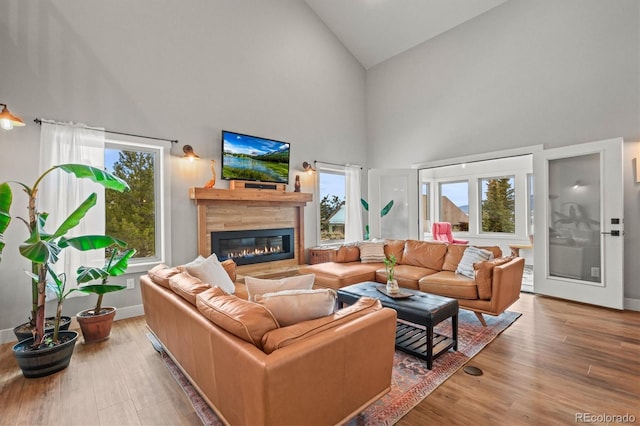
{"x":251,"y":158}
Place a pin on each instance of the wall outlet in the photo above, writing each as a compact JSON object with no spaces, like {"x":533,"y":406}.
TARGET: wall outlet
{"x":595,"y":272}
{"x":130,"y":282}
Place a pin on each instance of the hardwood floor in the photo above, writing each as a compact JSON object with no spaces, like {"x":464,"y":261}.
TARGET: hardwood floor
{"x":559,"y":359}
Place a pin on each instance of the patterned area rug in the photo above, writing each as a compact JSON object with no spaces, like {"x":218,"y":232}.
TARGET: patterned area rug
{"x":411,"y":380}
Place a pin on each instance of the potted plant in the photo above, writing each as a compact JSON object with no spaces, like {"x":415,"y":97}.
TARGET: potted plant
{"x":389,"y":268}
{"x":42,"y":249}
{"x":95,"y":323}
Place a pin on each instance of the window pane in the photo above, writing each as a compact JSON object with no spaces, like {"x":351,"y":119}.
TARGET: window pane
{"x":131,"y":216}
{"x":332,"y":206}
{"x":454,"y":204}
{"x":498,"y":204}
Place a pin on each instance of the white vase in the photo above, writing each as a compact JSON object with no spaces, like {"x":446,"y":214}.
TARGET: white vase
{"x":392,"y":287}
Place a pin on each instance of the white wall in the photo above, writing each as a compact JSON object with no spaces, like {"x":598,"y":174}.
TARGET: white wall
{"x":182,"y":70}
{"x":525,"y":73}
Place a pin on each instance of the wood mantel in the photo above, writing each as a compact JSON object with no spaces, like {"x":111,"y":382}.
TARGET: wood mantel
{"x":241,"y":209}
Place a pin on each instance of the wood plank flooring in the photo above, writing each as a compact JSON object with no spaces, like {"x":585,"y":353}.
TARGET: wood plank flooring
{"x":558,"y":360}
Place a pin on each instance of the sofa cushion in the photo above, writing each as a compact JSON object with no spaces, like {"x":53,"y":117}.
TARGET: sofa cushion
{"x":372,"y":251}
{"x":246,"y":320}
{"x":484,"y":275}
{"x":293,"y":306}
{"x":260,"y":286}
{"x":428,"y":254}
{"x":210,"y":271}
{"x":453,"y":257}
{"x":472,"y":255}
{"x":449,"y":284}
{"x":187,"y":286}
{"x":394,"y":247}
{"x":161,"y":273}
{"x":348,"y":253}
{"x":286,"y":336}
{"x":406,"y":275}
{"x":337,"y":275}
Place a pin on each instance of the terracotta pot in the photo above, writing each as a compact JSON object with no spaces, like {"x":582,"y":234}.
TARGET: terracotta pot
{"x":96,"y":328}
{"x":46,"y":361}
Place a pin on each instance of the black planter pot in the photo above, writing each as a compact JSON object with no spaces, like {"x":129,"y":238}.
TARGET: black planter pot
{"x":65,"y":322}
{"x":43,"y":362}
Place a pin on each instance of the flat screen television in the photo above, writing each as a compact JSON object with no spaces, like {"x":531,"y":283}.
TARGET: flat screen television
{"x":254,"y":158}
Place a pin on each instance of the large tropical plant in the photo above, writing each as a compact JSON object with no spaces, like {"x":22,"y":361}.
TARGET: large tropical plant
{"x":42,"y":248}
{"x":383,"y":212}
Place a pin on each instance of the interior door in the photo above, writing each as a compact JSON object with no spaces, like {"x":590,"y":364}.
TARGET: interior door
{"x":578,"y":238}
{"x":399,"y":186}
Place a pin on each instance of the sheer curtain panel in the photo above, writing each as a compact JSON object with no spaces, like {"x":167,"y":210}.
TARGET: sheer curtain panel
{"x":353,"y":230}
{"x":61,"y":193}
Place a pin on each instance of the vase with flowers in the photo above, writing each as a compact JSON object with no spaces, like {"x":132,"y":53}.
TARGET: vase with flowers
{"x":389,"y":268}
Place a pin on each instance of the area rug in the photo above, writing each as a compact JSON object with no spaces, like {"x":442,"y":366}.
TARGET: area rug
{"x":411,"y":380}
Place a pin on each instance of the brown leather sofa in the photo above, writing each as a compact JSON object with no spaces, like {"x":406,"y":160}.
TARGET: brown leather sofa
{"x":318,"y":372}
{"x":430,"y":266}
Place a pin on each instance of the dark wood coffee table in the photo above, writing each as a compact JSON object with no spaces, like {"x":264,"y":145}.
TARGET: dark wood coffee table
{"x":420,"y":313}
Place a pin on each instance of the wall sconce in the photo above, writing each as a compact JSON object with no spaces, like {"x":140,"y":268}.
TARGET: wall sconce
{"x":308,"y":167}
{"x":577,"y":185}
{"x":189,"y":154}
{"x":8,"y":120}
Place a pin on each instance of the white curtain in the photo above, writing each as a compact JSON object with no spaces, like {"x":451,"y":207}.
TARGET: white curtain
{"x":353,"y":230}
{"x":61,"y":193}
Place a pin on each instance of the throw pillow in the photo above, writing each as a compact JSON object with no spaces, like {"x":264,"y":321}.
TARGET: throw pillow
{"x":472,"y":255}
{"x":372,"y":251}
{"x":294,"y":306}
{"x":246,"y":320}
{"x":348,"y":253}
{"x":260,"y":286}
{"x":210,"y":271}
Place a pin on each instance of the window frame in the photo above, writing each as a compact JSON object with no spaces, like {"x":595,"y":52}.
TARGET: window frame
{"x":162,"y":193}
{"x":440,"y":183}
{"x":479,"y":181}
{"x":335,"y":170}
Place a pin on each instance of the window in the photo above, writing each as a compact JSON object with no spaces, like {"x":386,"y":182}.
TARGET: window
{"x":454,"y":204}
{"x":332,"y":184}
{"x":425,"y":207}
{"x":498,"y":204}
{"x":137,"y":216}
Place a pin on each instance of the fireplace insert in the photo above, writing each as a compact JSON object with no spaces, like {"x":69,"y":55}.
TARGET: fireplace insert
{"x":253,"y":246}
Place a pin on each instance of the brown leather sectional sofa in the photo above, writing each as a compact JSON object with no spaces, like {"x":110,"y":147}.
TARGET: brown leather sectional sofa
{"x":430,"y":266}
{"x":254,"y":372}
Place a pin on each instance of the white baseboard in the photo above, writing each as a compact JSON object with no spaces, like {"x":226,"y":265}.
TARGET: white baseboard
{"x":7,"y":335}
{"x":631,"y":304}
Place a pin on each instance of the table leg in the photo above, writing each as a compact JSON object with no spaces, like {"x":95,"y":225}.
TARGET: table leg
{"x":454,"y":330}
{"x":429,"y":330}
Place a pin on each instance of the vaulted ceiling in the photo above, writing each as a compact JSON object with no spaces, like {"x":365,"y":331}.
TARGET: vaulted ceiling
{"x":376,"y":30}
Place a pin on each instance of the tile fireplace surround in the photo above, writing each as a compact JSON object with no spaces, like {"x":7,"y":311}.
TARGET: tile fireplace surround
{"x":245,"y":209}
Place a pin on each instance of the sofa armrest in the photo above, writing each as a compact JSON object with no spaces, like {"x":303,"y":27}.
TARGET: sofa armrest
{"x":506,"y":284}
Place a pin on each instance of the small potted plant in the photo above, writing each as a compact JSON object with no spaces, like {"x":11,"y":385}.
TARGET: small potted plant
{"x":96,"y":322}
{"x":42,"y":249}
{"x":389,"y":268}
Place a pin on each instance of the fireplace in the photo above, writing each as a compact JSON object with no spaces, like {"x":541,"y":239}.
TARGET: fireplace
{"x":253,"y":246}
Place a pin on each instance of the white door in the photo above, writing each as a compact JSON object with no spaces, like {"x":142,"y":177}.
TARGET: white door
{"x":578,"y":237}
{"x":399,"y":186}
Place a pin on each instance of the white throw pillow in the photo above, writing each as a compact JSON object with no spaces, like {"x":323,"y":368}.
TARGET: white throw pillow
{"x":371,"y":251}
{"x":293,"y":306}
{"x":210,"y":271}
{"x":260,"y":286}
{"x":472,"y":255}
